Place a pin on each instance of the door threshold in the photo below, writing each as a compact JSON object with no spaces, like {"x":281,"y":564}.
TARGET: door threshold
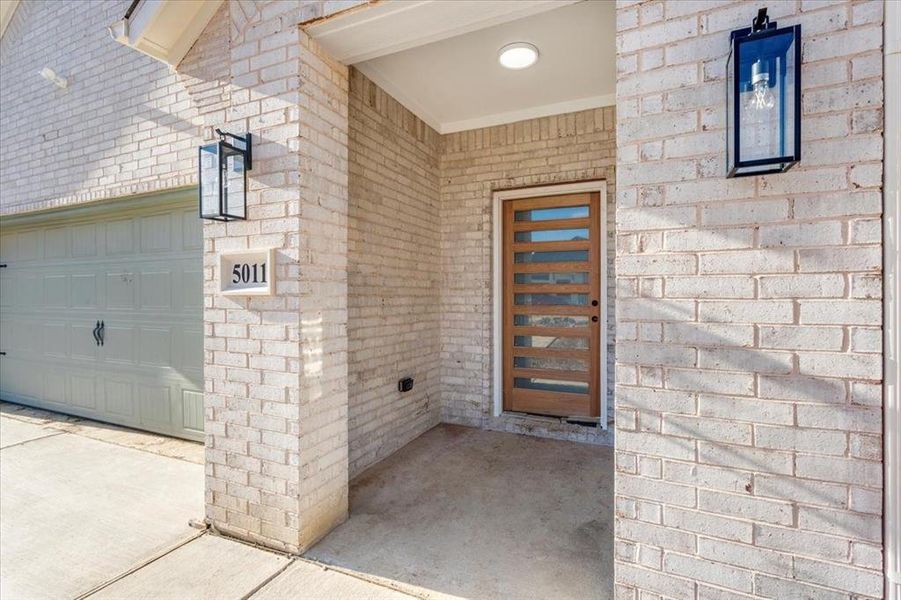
{"x":594,"y":422}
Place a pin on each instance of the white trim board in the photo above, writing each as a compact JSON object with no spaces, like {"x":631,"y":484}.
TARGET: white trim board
{"x":497,"y":200}
{"x":892,"y":300}
{"x":391,"y":26}
{"x":533,"y":112}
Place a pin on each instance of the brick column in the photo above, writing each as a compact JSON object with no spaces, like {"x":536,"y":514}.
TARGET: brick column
{"x":748,"y":442}
{"x":322,"y":279}
{"x":276,"y":367}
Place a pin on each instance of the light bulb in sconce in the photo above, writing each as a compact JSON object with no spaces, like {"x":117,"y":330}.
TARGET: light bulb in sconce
{"x":762,"y":98}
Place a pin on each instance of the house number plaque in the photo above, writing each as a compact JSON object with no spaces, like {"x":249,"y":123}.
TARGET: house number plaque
{"x":247,"y":272}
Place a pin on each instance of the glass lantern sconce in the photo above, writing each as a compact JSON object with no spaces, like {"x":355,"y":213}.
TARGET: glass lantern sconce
{"x":223,"y":177}
{"x":763,"y":98}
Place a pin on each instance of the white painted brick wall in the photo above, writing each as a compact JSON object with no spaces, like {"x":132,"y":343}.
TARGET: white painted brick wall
{"x":276,"y":367}
{"x":394,"y":274}
{"x":767,"y":293}
{"x":125,"y":125}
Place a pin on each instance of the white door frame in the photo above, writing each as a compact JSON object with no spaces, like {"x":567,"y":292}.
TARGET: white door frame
{"x":498,"y":198}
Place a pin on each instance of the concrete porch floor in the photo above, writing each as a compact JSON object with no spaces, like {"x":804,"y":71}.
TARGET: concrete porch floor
{"x":481,"y":514}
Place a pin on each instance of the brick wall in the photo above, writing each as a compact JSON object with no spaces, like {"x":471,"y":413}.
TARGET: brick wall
{"x":749,"y":405}
{"x":276,"y":367}
{"x":393,"y":274}
{"x":252,"y":345}
{"x":562,"y":148}
{"x":125,"y":125}
{"x":322,"y":285}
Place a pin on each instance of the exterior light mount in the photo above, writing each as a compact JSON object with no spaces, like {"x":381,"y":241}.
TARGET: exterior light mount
{"x":51,"y":76}
{"x":763,"y":98}
{"x":222,"y":176}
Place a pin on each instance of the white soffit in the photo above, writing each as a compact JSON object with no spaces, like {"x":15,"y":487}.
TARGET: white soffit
{"x":456,"y":83}
{"x":7,"y":8}
{"x":390,"y":26}
{"x":165,"y":29}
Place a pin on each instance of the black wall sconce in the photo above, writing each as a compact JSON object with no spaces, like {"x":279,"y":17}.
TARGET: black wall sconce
{"x":763,"y":98}
{"x":223,"y":177}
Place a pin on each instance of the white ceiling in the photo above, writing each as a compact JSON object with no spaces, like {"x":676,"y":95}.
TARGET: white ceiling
{"x":456,"y":83}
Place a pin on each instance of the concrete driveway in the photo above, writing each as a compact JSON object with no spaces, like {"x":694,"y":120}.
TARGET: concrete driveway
{"x":77,"y":508}
{"x":94,"y":510}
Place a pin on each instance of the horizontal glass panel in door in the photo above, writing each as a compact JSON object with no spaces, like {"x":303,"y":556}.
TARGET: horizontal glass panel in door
{"x":551,"y":235}
{"x":549,"y":362}
{"x":551,"y":256}
{"x":555,"y":278}
{"x":550,"y":341}
{"x":550,"y":299}
{"x":552,"y":214}
{"x":550,"y":385}
{"x":549,"y":321}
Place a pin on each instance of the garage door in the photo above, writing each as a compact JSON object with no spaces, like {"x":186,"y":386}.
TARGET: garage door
{"x":135,"y":267}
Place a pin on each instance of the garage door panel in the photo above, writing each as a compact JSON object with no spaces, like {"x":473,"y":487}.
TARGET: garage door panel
{"x":7,"y":290}
{"x":156,"y":233}
{"x":28,"y":246}
{"x":120,"y":289}
{"x":30,"y":290}
{"x":82,"y":346}
{"x":56,"y":341}
{"x":83,"y":391}
{"x":155,"y":346}
{"x":8,"y":248}
{"x":56,"y":291}
{"x":84,"y":289}
{"x":192,"y":279}
{"x":56,"y":243}
{"x":27,"y":335}
{"x":7,"y":331}
{"x":192,"y":230}
{"x":84,"y":240}
{"x":156,"y":289}
{"x":192,"y":410}
{"x":192,"y":349}
{"x":19,"y":378}
{"x":155,"y":404}
{"x":120,"y":237}
{"x":137,"y":270}
{"x":54,"y":387}
{"x":119,"y":397}
{"x":119,"y":343}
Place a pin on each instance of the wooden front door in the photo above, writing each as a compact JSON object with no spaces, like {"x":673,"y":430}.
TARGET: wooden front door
{"x":552,"y":305}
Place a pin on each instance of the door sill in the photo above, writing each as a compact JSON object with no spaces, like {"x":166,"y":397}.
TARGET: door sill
{"x":594,"y":422}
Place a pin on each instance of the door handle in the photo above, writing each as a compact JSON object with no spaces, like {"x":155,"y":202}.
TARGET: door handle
{"x":98,"y":333}
{"x":594,"y":319}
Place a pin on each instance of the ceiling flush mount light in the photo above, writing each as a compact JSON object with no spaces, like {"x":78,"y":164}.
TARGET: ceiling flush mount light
{"x":520,"y":55}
